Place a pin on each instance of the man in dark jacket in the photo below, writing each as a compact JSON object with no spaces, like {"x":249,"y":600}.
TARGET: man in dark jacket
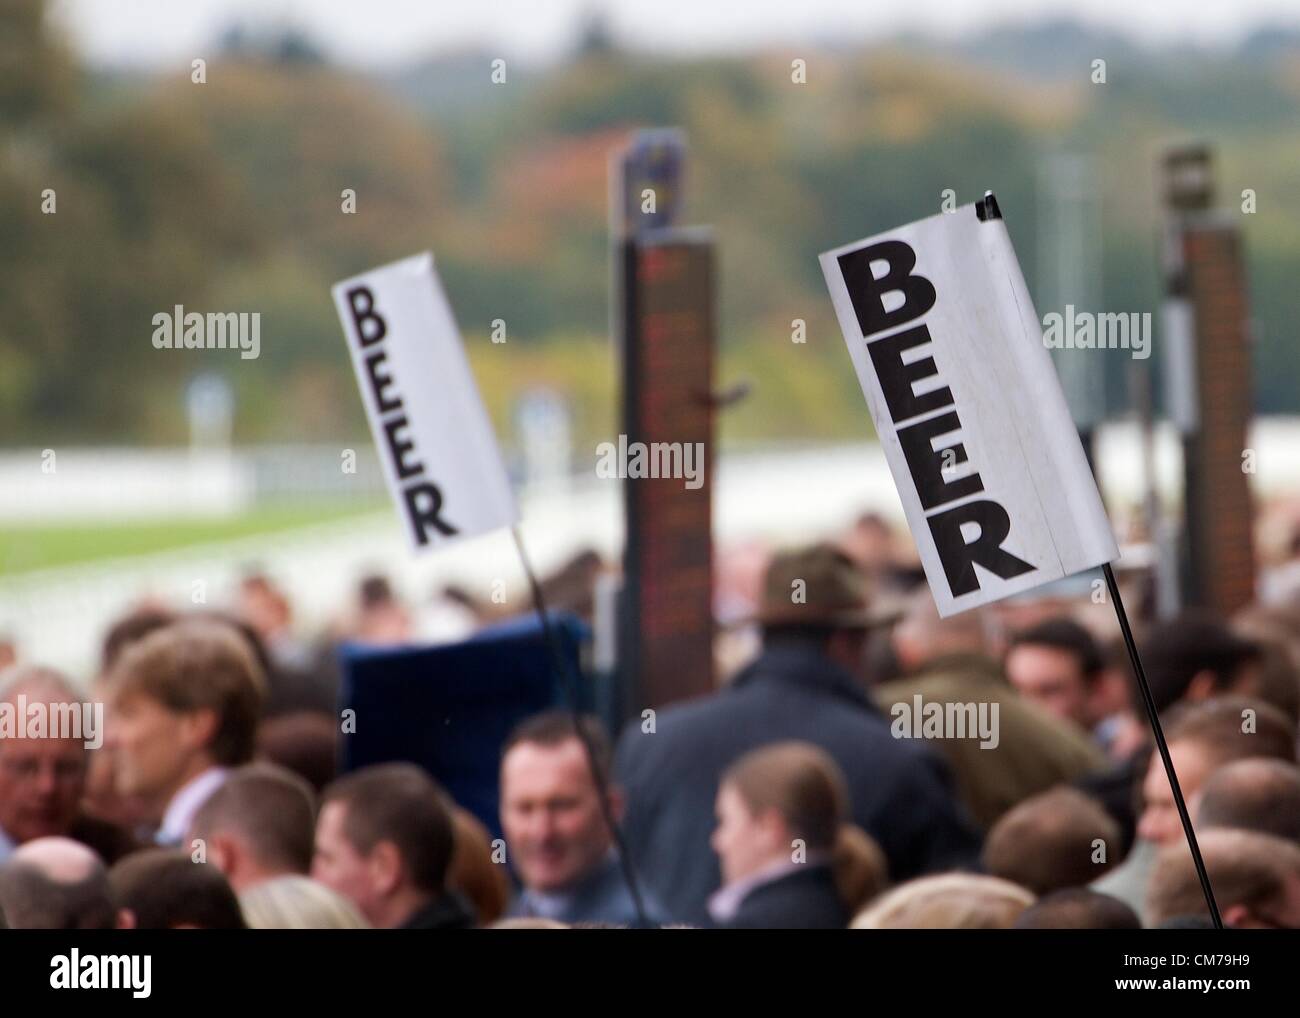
{"x":384,"y":840}
{"x":815,"y":618}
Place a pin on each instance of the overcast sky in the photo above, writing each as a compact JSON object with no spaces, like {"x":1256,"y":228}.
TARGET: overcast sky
{"x":372,"y":32}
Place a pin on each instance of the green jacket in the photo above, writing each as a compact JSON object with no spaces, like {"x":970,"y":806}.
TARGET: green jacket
{"x":1034,"y":751}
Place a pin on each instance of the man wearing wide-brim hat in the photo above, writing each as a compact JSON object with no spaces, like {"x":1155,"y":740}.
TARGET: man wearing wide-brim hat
{"x":815,"y":616}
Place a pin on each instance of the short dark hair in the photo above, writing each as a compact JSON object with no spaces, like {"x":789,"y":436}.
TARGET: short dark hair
{"x":1253,"y":795}
{"x":271,"y":808}
{"x":1277,"y":682}
{"x":554,"y":727}
{"x":131,"y":628}
{"x":32,"y":901}
{"x":1174,"y":651}
{"x":1067,"y":635}
{"x":811,"y":636}
{"x":374,"y":590}
{"x":1078,"y":908}
{"x":1046,"y":842}
{"x":401,"y":804}
{"x":304,"y":742}
{"x":164,"y":888}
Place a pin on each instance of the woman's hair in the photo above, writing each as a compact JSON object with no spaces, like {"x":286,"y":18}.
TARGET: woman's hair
{"x":801,"y":782}
{"x":806,"y":787}
{"x":951,"y":901}
{"x":298,"y":903}
{"x":859,"y":866}
{"x":472,"y":872}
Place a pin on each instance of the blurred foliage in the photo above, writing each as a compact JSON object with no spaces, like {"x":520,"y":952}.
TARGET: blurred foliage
{"x":227,"y":196}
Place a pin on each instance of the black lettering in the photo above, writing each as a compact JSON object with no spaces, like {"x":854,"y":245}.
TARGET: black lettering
{"x":959,"y":558}
{"x":400,"y":448}
{"x":926,"y":464}
{"x":424,"y":506}
{"x":866,"y":291}
{"x":361,"y":315}
{"x":379,"y":382}
{"x":897,"y":378}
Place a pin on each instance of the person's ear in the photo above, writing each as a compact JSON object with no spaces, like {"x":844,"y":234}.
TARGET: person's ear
{"x":906,"y":652}
{"x":617,"y":803}
{"x":198,"y":727}
{"x":774,"y":827}
{"x":384,"y":865}
{"x":223,"y":853}
{"x":1201,"y":687}
{"x":1238,"y":916}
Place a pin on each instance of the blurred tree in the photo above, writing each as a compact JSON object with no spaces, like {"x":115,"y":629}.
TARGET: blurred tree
{"x":106,"y":224}
{"x":36,"y":71}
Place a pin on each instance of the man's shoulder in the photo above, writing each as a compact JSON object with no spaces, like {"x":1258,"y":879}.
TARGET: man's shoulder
{"x":948,"y":685}
{"x":665,"y":733}
{"x":751,"y":707}
{"x":1024,"y":726}
{"x":1053,"y":736}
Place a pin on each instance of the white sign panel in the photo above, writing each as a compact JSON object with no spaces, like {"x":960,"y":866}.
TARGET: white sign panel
{"x":433,"y":435}
{"x":949,"y":352}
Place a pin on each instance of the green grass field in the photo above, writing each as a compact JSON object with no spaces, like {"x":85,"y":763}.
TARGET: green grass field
{"x":24,"y":548}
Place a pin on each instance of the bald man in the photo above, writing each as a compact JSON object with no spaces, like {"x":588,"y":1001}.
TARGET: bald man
{"x":57,"y":884}
{"x":947,"y":661}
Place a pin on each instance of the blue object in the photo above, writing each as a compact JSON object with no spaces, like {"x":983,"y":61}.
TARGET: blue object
{"x":450,"y":708}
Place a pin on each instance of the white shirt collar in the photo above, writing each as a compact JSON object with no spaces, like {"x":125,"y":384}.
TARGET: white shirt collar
{"x":186,"y":802}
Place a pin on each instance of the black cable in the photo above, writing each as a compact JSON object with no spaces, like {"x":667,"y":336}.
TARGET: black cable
{"x":1154,"y":716}
{"x":573,"y":695}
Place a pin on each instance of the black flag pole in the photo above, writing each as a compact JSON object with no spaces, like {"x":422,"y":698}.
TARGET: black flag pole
{"x":572,"y":694}
{"x":1153,"y":716}
{"x":987,"y":209}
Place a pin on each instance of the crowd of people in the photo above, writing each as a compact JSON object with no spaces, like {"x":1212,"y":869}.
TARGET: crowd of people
{"x":792,"y":796}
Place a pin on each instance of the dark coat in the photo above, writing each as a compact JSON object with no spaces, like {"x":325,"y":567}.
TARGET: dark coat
{"x":901,"y":790}
{"x":803,"y":900}
{"x":446,"y":912}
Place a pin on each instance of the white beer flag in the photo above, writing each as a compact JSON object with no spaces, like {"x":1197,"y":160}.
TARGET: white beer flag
{"x":431,"y":431}
{"x":949,"y":352}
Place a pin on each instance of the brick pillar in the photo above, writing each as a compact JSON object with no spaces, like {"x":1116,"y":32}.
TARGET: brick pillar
{"x":1219,"y":511}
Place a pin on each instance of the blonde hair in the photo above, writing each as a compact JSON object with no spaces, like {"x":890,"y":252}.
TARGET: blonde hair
{"x":951,"y":901}
{"x":298,"y":903}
